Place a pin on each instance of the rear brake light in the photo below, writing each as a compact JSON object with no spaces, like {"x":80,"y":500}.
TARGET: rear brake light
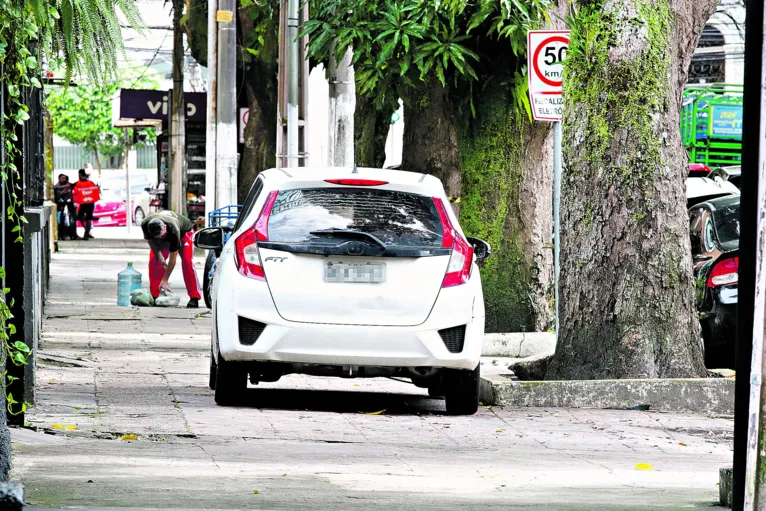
{"x":262,"y":224}
{"x":248,"y":258}
{"x":461,"y":259}
{"x":356,"y":182}
{"x":724,"y":272}
{"x":246,"y":245}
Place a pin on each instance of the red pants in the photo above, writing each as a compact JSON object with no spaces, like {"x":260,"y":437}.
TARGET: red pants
{"x":185,"y":254}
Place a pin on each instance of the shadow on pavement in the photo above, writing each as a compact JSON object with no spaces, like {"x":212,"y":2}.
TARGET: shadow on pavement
{"x":340,"y":401}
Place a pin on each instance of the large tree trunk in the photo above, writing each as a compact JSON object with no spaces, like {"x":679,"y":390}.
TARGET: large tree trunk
{"x":370,"y":132}
{"x":507,"y":199}
{"x":260,"y":77}
{"x":627,"y":295}
{"x":430,"y":137}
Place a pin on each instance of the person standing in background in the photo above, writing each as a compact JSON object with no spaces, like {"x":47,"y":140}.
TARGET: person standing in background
{"x":86,"y":194}
{"x":62,"y":192}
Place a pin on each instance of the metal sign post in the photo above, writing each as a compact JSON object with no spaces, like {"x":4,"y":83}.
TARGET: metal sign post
{"x":546,"y":51}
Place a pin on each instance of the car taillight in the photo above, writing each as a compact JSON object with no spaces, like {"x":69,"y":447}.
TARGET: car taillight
{"x":461,"y":259}
{"x":724,"y":272}
{"x":356,"y":182}
{"x":248,"y":258}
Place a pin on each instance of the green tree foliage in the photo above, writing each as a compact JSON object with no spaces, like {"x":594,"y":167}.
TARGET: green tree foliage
{"x":399,"y":44}
{"x":83,"y":116}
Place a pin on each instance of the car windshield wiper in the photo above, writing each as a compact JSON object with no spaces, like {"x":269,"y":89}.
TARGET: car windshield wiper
{"x":349,"y":234}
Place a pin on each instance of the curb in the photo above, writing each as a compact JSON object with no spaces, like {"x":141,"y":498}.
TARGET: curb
{"x":518,"y":344}
{"x":707,"y":396}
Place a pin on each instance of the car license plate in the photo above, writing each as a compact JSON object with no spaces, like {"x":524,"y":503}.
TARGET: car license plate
{"x":364,"y":273}
{"x":104,"y":219}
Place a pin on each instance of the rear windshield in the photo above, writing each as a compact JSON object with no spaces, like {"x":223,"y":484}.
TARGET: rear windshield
{"x":727,"y":223}
{"x":397,"y":219}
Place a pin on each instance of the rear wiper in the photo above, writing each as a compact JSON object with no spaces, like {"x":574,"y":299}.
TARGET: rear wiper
{"x":349,"y":233}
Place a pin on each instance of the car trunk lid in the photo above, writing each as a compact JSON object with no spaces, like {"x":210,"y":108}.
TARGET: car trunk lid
{"x":354,"y":256}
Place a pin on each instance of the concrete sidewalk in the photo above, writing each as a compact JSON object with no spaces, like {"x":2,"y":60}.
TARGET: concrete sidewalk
{"x":106,"y":372}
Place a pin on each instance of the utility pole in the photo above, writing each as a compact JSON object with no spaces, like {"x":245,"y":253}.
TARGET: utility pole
{"x":292,"y":83}
{"x":749,"y":488}
{"x":226,"y":105}
{"x":130,"y":158}
{"x":176,"y":191}
{"x":292,"y":103}
{"x":212,"y":95}
{"x":342,"y":105}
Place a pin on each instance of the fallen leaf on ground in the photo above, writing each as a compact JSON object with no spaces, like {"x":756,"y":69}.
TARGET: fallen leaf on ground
{"x":682,"y":443}
{"x":131,"y":436}
{"x":499,"y":431}
{"x":51,"y":381}
{"x":57,"y":426}
{"x":376,"y":413}
{"x":575,"y":422}
{"x":256,"y":492}
{"x":489,"y":407}
{"x":284,"y":475}
{"x":70,"y":426}
{"x":644,"y":466}
{"x":356,"y":385}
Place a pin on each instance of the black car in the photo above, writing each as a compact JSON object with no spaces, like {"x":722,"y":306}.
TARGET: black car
{"x":731,"y":174}
{"x":714,"y":230}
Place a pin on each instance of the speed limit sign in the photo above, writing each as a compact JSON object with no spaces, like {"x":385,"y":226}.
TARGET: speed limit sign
{"x":546,"y":52}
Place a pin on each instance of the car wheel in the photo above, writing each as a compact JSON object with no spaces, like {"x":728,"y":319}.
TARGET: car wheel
{"x":462,"y":391}
{"x":213,"y":371}
{"x":209,"y":262}
{"x":139,"y":216}
{"x":230,"y":382}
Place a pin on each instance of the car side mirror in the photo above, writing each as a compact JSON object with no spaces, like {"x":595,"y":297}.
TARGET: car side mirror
{"x":481,"y":249}
{"x":147,"y":189}
{"x":210,"y":238}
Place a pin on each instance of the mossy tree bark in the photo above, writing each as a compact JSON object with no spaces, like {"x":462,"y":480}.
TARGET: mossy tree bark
{"x":627,"y":294}
{"x":430,"y":137}
{"x":370,"y":133}
{"x":507,"y":199}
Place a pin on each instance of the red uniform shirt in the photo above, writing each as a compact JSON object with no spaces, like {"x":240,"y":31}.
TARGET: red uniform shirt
{"x":86,"y":192}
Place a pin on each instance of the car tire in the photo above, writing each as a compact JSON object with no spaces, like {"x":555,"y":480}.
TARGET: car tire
{"x":462,"y":391}
{"x":230,"y":382}
{"x":209,"y":262}
{"x":213,"y":371}
{"x":139,"y":216}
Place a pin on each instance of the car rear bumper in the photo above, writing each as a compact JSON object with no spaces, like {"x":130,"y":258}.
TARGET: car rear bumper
{"x":720,"y":326}
{"x":349,"y":345}
{"x":114,"y":220}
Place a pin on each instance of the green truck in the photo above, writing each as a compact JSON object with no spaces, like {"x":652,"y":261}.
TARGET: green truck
{"x":711,"y":124}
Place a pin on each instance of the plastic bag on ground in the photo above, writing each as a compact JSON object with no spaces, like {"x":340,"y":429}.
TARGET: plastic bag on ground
{"x":142,"y":298}
{"x":167,"y":299}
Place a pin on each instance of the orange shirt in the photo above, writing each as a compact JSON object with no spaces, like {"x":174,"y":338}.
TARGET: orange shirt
{"x":86,"y":192}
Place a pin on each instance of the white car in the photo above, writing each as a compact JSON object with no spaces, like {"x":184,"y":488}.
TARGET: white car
{"x":352,"y":273}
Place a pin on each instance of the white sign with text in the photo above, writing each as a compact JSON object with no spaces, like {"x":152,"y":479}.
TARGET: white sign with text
{"x":546,"y":52}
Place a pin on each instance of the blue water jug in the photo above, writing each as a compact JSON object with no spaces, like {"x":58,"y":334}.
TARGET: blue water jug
{"x":128,"y":280}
